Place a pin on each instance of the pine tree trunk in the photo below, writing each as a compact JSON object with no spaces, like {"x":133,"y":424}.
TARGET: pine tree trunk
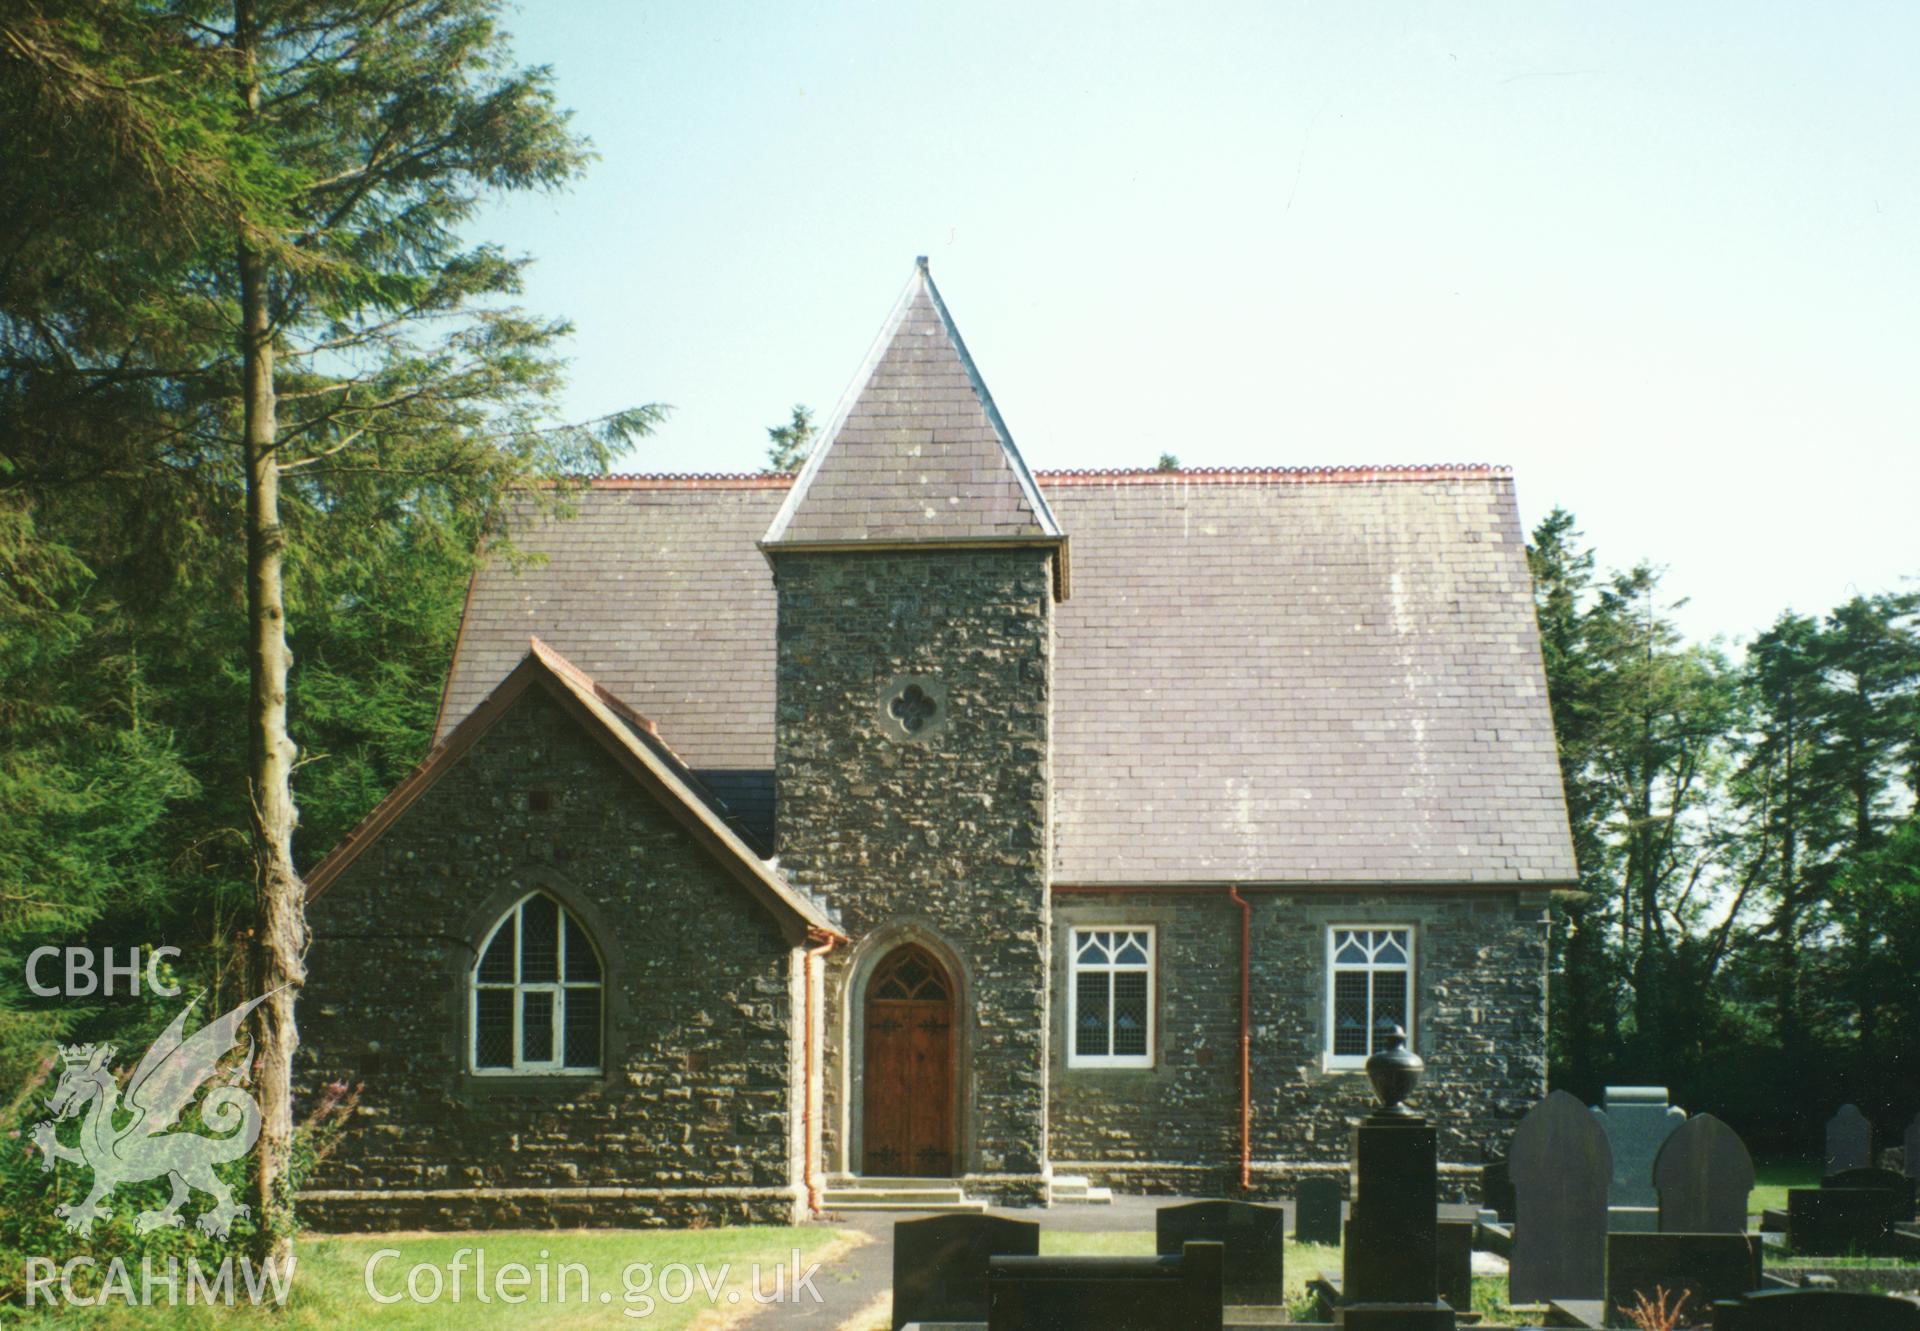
{"x":280,"y":931}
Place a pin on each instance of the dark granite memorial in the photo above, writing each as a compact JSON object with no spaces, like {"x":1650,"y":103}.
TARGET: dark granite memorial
{"x":1815,"y":1310}
{"x":1889,"y":1181}
{"x":1391,"y":1277}
{"x":1638,"y":1120}
{"x":1704,"y":1177}
{"x":1561,"y":1165}
{"x":1107,"y":1293}
{"x":940,"y":1264}
{"x":1253,"y":1241}
{"x":1911,"y":1145}
{"x":1840,"y":1222}
{"x":1849,"y":1141}
{"x":1453,"y":1263}
{"x":1496,"y":1190}
{"x":1316,"y":1210}
{"x":1702,"y":1267}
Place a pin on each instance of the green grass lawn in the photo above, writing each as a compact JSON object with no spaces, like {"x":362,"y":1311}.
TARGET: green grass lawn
{"x":1772,"y":1178}
{"x":330,"y":1282}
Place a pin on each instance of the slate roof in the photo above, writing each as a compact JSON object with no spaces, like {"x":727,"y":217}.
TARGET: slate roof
{"x":917,"y":451}
{"x":633,"y":739}
{"x":1270,"y":676}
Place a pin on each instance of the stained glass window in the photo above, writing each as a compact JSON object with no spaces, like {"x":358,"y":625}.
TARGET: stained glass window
{"x":1111,"y":998}
{"x":1369,"y":989}
{"x":536,"y":993}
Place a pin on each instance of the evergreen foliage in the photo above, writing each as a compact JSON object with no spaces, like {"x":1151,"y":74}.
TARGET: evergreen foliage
{"x":1749,"y":852}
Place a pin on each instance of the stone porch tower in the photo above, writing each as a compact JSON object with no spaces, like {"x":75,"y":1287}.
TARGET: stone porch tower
{"x":916,"y":567}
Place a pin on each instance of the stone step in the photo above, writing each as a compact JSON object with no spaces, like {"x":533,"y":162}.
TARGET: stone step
{"x":888,"y":1181}
{"x":1073,"y":1190}
{"x":849,"y":1192}
{"x":962,"y":1207}
{"x":922,"y":1194}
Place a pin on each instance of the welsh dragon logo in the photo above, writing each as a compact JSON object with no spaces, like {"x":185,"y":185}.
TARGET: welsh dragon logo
{"x":142,"y":1148}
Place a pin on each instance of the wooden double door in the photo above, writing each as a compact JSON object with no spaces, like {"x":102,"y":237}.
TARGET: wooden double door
{"x":908,"y":1116}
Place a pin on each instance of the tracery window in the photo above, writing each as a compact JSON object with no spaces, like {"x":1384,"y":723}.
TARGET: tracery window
{"x":535,"y":1002}
{"x":1369,"y":988}
{"x":1110,"y":1001}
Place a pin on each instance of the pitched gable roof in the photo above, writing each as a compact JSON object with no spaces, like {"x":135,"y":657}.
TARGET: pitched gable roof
{"x":1274,"y":675}
{"x":633,"y":740}
{"x":917,"y":451}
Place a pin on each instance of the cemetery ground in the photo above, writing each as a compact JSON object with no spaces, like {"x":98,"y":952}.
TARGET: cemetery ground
{"x":854,"y":1279}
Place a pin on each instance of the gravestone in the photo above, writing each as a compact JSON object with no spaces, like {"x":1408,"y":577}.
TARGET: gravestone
{"x":1912,"y":1142}
{"x":1638,"y":1120}
{"x":1703,"y":1176}
{"x":1253,"y":1241}
{"x":940,"y":1264}
{"x":1849,"y":1141}
{"x":1496,"y":1190}
{"x":1453,"y":1263}
{"x":1815,"y":1310}
{"x":1839,"y":1222}
{"x":1890,"y":1181}
{"x":1391,"y":1273}
{"x":1700,"y":1267}
{"x":1316,"y":1210}
{"x":1561,"y":1165}
{"x":1106,"y":1293}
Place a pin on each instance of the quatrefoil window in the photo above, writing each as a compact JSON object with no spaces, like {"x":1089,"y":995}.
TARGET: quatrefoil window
{"x":912,"y":707}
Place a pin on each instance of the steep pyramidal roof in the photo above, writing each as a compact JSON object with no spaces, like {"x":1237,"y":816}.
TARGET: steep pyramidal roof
{"x":917,"y":452}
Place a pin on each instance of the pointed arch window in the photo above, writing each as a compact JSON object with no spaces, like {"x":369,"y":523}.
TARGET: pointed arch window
{"x":535,"y":998}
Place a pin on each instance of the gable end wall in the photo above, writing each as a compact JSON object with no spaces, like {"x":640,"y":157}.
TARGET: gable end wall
{"x":691,"y":1120}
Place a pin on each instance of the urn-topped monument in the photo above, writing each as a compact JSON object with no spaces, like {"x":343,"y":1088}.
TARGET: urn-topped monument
{"x":1391,"y":1280}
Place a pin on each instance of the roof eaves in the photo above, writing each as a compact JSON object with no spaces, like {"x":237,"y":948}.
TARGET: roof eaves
{"x":629,"y":733}
{"x":668,"y":771}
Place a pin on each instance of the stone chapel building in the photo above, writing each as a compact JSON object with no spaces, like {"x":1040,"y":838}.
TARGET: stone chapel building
{"x":924,"y":825}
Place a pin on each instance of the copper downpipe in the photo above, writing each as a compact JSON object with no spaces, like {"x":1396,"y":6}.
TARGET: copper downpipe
{"x":810,"y":1171}
{"x":1246,"y":1037}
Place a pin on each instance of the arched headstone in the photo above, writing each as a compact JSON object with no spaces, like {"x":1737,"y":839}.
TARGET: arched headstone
{"x":1793,"y":1309}
{"x":1703,"y":1175}
{"x":1561,"y":1165}
{"x":1638,"y":1121}
{"x":1849,"y":1141}
{"x":1895,"y":1184}
{"x":1913,"y":1148}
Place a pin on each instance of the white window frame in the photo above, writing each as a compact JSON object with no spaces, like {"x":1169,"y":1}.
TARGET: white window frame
{"x":559,"y":988}
{"x":1076,"y":1059}
{"x":1341,"y":1062}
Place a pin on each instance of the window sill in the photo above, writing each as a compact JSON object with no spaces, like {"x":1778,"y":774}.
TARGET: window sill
{"x":521,"y":1083}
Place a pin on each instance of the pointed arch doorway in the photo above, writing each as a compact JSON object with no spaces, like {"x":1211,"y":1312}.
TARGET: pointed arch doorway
{"x":907,"y":1097}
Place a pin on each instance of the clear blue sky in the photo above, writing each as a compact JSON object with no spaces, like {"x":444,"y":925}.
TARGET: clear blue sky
{"x":1660,"y":258}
